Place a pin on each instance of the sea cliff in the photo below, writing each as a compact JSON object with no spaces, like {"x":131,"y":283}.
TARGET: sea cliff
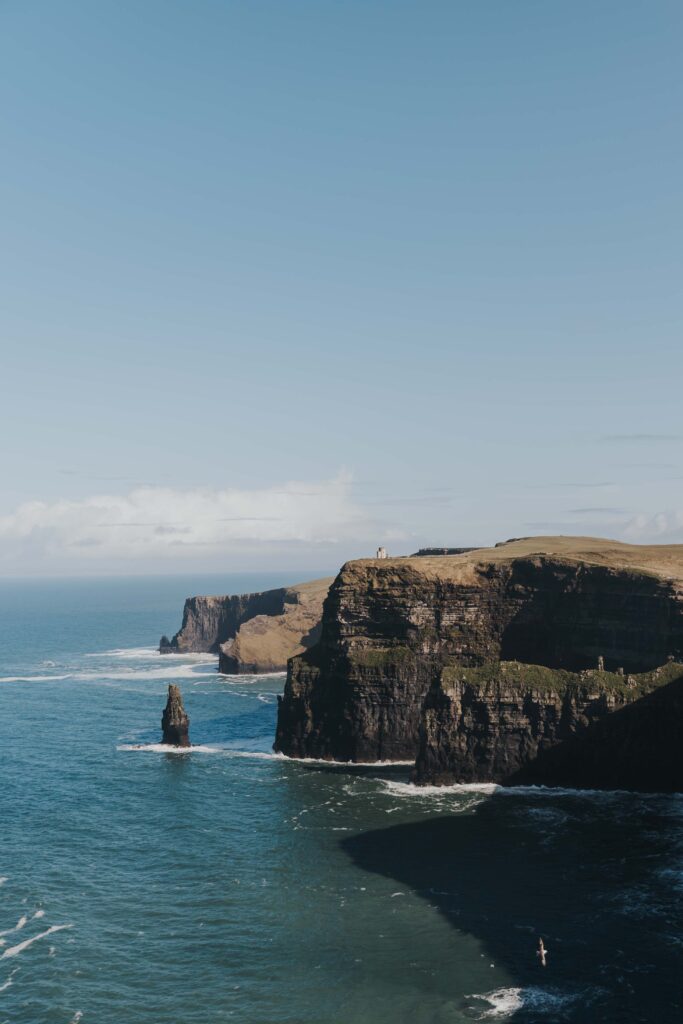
{"x":389,"y":678}
{"x":252,"y":632}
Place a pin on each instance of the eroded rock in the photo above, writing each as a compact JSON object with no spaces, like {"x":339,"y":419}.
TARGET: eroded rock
{"x":175,"y":725}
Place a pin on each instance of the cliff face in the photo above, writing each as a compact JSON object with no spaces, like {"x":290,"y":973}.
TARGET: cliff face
{"x":639,"y":747}
{"x":252,"y":632}
{"x":507,"y":722}
{"x":210,"y":621}
{"x":266,"y":641}
{"x":390,"y":627}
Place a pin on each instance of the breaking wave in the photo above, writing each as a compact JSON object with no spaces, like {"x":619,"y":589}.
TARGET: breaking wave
{"x":503,"y":1002}
{"x":494,"y":789}
{"x":16,"y":950}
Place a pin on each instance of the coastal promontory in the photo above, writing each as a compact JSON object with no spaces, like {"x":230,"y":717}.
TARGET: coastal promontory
{"x":477,"y":664}
{"x":255,"y":632}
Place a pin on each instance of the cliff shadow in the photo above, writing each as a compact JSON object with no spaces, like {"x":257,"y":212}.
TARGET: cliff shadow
{"x":578,"y":872}
{"x":638,"y":747}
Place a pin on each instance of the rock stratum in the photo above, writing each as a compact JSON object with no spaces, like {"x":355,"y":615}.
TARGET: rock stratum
{"x":252,"y":632}
{"x":482,"y":666}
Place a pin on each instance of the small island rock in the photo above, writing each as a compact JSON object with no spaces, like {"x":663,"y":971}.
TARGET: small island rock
{"x":175,"y":725}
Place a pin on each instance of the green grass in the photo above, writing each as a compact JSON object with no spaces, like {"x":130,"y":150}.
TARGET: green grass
{"x":381,"y":657}
{"x":538,"y":677}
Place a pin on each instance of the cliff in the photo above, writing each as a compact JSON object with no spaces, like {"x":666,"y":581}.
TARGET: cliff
{"x":252,"y":632}
{"x":393,"y":629}
{"x":512,"y":723}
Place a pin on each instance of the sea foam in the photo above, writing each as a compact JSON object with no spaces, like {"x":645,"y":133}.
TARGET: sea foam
{"x":503,"y":1002}
{"x":16,"y":950}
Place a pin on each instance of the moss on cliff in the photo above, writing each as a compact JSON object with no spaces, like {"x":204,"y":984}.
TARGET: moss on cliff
{"x":519,"y":676}
{"x":381,"y":657}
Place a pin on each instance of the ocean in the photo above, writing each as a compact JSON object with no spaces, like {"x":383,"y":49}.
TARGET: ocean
{"x":228,"y":883}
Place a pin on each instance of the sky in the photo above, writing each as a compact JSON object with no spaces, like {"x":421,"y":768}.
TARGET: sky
{"x":281,"y":282}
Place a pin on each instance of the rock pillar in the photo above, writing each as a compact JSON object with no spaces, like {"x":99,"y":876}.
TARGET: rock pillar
{"x":175,"y":725}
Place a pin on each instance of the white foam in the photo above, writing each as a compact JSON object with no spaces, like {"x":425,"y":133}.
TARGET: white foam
{"x":76,"y":1017}
{"x":149,"y":654}
{"x":16,"y":950}
{"x":18,"y":926}
{"x":38,"y":913}
{"x":163,"y":748}
{"x":411,"y":790}
{"x":260,"y":755}
{"x":159,"y":672}
{"x":349,"y":764}
{"x":494,"y":789}
{"x":3,"y":879}
{"x":251,"y":677}
{"x":162,"y":672}
{"x":6,"y":984}
{"x":503,"y":1002}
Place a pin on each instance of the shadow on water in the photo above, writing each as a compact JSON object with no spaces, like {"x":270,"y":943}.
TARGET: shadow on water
{"x":589,"y":876}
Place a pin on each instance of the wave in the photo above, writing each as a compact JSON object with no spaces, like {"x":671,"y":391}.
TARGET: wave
{"x":250,"y":677}
{"x":3,"y":879}
{"x":18,"y":926}
{"x":202,"y":748}
{"x":503,"y":1002}
{"x":495,"y":789}
{"x":409,"y":789}
{"x":259,"y":755}
{"x":16,"y":950}
{"x":150,"y":654}
{"x":123,"y":675}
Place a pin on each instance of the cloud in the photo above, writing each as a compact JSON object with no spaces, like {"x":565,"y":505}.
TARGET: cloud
{"x":661,"y":528}
{"x":152,"y":523}
{"x":597,"y":510}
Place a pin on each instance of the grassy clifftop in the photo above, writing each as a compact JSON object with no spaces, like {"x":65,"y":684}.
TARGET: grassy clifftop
{"x":663,"y":560}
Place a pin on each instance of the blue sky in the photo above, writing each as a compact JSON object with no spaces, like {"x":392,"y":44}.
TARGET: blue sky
{"x":282,"y":281}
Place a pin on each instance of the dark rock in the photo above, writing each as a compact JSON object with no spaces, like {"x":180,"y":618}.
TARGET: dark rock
{"x":499,"y":722}
{"x":175,"y":725}
{"x":639,"y":747}
{"x":390,"y":627}
{"x":431,"y":552}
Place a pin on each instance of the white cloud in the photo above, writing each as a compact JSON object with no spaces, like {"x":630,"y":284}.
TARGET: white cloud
{"x":162,"y":523}
{"x":661,"y":528}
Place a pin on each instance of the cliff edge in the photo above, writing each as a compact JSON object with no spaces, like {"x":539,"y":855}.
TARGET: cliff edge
{"x":396,"y":633}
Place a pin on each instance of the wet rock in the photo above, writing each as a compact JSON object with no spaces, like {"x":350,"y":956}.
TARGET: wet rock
{"x":175,"y":725}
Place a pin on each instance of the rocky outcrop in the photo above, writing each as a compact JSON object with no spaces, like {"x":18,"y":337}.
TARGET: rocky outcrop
{"x":501,"y":722}
{"x":175,"y":725}
{"x":252,"y":632}
{"x":391,"y":627}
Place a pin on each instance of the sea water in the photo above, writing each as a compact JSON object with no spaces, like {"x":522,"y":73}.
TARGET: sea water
{"x":226,"y":883}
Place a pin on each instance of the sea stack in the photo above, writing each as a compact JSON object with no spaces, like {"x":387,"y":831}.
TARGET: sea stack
{"x":175,"y":725}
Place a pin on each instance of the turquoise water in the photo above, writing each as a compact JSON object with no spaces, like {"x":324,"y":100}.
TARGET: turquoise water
{"x":229,"y":884}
